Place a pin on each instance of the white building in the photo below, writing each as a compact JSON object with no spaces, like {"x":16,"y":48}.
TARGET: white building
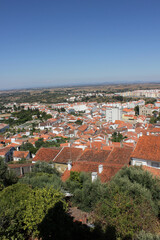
{"x":113,"y":114}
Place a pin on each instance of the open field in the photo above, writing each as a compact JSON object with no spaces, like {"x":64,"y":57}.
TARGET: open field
{"x":55,"y":95}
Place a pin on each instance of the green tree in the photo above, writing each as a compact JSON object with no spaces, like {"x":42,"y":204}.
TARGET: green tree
{"x":138,"y":183}
{"x":116,"y":137}
{"x":86,"y":193}
{"x":13,"y":201}
{"x":38,"y":205}
{"x":146,"y":236}
{"x":39,"y":143}
{"x":136,"y":109}
{"x":125,"y":216}
{"x":41,"y":180}
{"x":79,"y":122}
{"x":7,"y":177}
{"x":28,"y":147}
{"x":44,"y":168}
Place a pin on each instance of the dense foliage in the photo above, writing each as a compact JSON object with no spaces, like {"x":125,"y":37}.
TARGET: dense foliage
{"x":126,"y":208}
{"x":86,"y":193}
{"x":42,"y":176}
{"x":13,"y":201}
{"x":138,"y":183}
{"x":7,"y":177}
{"x":23,"y":209}
{"x":125,"y":216}
{"x":27,"y":115}
{"x":116,"y":137}
{"x":40,"y":143}
{"x":132,"y":204}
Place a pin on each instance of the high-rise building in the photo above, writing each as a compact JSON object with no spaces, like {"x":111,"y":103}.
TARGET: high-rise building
{"x":113,"y":114}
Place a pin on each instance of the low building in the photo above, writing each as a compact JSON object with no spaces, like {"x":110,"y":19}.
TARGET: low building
{"x":19,"y":155}
{"x":7,"y":153}
{"x":147,"y":152}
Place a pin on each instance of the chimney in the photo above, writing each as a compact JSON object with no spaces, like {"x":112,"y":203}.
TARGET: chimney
{"x":100,"y":168}
{"x":147,"y":133}
{"x":94,"y":176}
{"x":69,"y":166}
{"x":140,"y":134}
{"x":121,"y":144}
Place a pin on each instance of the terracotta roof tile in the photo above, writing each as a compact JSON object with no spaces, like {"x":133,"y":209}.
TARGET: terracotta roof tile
{"x":68,"y":154}
{"x":148,"y":148}
{"x":120,"y":155}
{"x":94,"y":155}
{"x":20,"y":154}
{"x":46,"y":154}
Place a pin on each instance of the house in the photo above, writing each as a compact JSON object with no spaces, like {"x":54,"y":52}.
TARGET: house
{"x":7,"y":153}
{"x":147,"y":152}
{"x":103,"y":164}
{"x":21,"y":169}
{"x":92,"y":155}
{"x":66,"y":155}
{"x":46,"y":154}
{"x":19,"y":155}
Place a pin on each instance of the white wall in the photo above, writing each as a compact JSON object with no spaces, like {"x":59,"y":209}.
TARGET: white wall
{"x":139,"y":162}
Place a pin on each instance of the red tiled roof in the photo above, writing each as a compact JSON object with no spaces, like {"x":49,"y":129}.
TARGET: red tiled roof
{"x":83,"y":128}
{"x":20,"y":154}
{"x":4,"y":150}
{"x":68,"y":154}
{"x":120,"y":155}
{"x":109,"y":170}
{"x":148,"y":148}
{"x":94,"y":155}
{"x":46,"y":154}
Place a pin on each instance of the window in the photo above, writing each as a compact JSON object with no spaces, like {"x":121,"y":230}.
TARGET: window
{"x":154,"y":164}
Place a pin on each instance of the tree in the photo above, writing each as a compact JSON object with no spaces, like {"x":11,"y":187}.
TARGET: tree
{"x":13,"y":201}
{"x":43,"y":175}
{"x":79,"y":122}
{"x":136,"y":109}
{"x":86,"y":193}
{"x":28,"y":147}
{"x":138,"y":183}
{"x":7,"y":177}
{"x":146,"y":236}
{"x":44,"y":168}
{"x":124,"y":216}
{"x":39,"y":143}
{"x":117,"y":137}
{"x":23,"y":209}
{"x":38,"y":205}
{"x":41,"y":180}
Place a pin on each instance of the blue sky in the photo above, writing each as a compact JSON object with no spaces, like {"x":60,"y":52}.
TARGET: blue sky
{"x":60,"y":42}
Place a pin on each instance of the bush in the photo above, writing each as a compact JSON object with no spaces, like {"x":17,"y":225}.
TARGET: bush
{"x":146,"y":236}
{"x":23,"y":209}
{"x":138,"y":183}
{"x":86,"y":193}
{"x":125,"y":216}
{"x":7,"y":177}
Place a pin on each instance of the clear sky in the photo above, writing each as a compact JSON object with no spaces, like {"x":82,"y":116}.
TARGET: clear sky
{"x":60,"y":42}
